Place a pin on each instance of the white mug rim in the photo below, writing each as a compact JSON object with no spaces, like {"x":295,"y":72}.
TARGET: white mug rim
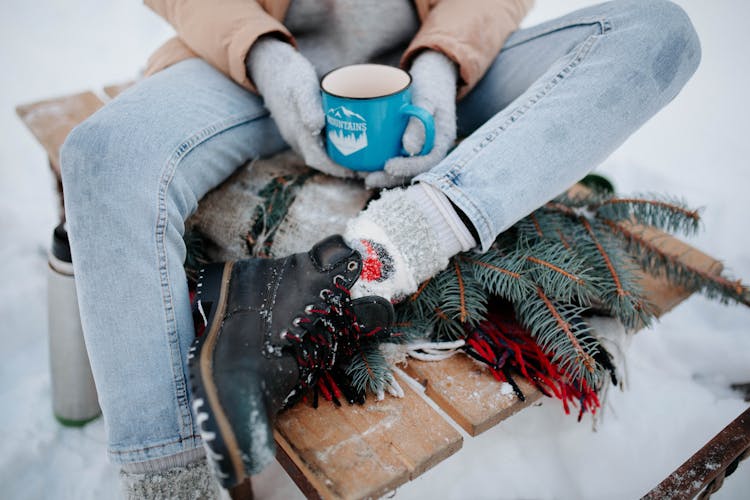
{"x":380,"y":96}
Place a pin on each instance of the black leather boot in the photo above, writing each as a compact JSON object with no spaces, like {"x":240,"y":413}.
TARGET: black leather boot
{"x":273,"y":326}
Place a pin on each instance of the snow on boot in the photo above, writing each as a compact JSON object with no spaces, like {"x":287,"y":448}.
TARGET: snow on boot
{"x":273,"y":326}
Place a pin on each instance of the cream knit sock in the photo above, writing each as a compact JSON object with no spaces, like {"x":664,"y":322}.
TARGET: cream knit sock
{"x":405,"y":237}
{"x":191,"y":481}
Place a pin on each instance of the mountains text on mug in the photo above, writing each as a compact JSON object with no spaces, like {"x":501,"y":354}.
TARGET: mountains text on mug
{"x":347,"y":130}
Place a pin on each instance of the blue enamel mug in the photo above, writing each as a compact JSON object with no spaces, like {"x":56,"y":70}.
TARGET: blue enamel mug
{"x":367,"y":109}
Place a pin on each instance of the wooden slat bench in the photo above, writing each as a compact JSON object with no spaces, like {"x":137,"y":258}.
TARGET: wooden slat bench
{"x":366,"y":451}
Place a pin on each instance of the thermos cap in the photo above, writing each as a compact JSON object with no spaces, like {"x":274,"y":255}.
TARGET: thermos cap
{"x":60,"y":246}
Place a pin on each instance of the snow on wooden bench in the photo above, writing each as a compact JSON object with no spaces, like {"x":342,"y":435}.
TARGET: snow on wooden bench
{"x":366,"y":451}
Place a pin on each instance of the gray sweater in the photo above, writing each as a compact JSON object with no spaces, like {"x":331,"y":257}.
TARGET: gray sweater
{"x":333,"y":33}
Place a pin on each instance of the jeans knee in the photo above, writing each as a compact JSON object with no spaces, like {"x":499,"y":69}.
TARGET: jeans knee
{"x":71,"y":152}
{"x":103,"y":159}
{"x":670,"y":39}
{"x":78,"y":158}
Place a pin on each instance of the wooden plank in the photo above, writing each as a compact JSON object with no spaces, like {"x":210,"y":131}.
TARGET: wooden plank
{"x":354,"y":451}
{"x":52,"y":120}
{"x":306,"y":481}
{"x":116,"y":89}
{"x":467,"y":392}
{"x":710,"y":464}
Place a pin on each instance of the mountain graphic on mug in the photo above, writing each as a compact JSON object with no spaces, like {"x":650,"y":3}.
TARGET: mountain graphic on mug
{"x":347,"y":130}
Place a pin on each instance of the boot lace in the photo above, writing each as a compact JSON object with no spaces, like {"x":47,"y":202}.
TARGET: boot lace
{"x":328,"y":334}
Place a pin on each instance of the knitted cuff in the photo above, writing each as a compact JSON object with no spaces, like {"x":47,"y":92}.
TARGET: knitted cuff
{"x":446,"y":223}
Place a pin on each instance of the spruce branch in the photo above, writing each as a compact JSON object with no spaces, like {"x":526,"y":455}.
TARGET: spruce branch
{"x":551,"y":225}
{"x":368,"y":369}
{"x":499,"y":274}
{"x":537,"y":227}
{"x":565,"y":326}
{"x":506,"y":241}
{"x":622,"y":294}
{"x":413,"y":297}
{"x":558,"y":206}
{"x":605,"y":257}
{"x":572,"y":277}
{"x":544,"y":224}
{"x":659,"y":263}
{"x":408,"y":329}
{"x":422,"y":303}
{"x":462,"y":298}
{"x":580,"y":197}
{"x":447,"y":328}
{"x":278,"y":196}
{"x":560,"y":332}
{"x":423,"y":311}
{"x":463,"y":315}
{"x":666,"y":214}
{"x":562,"y":274}
{"x":564,"y":239}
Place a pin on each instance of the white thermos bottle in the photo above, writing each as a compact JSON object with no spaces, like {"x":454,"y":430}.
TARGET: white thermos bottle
{"x":74,"y":400}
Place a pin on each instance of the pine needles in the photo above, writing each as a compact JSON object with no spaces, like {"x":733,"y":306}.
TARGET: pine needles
{"x":368,"y":369}
{"x":576,"y":254}
{"x":278,"y":196}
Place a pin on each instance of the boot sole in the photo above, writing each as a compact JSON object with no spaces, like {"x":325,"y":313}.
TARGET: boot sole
{"x":218,"y":438}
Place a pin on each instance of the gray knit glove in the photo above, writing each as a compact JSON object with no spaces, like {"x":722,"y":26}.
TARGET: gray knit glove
{"x":434,"y":79}
{"x":290,"y":90}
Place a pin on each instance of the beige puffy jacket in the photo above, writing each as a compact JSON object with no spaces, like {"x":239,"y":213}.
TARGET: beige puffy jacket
{"x":469,"y":32}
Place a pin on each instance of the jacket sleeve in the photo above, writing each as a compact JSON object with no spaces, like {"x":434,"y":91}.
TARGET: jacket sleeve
{"x":221,"y":32}
{"x":469,"y":32}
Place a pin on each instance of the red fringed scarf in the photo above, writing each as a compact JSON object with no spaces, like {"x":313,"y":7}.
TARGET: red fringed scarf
{"x":504,"y":345}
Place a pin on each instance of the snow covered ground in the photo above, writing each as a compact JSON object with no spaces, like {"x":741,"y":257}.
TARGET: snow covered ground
{"x":677,"y":396}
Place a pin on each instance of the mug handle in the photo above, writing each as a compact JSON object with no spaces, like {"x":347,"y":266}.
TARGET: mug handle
{"x":429,"y":126}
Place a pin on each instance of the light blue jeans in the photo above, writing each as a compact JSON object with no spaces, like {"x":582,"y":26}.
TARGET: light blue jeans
{"x":559,"y":98}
